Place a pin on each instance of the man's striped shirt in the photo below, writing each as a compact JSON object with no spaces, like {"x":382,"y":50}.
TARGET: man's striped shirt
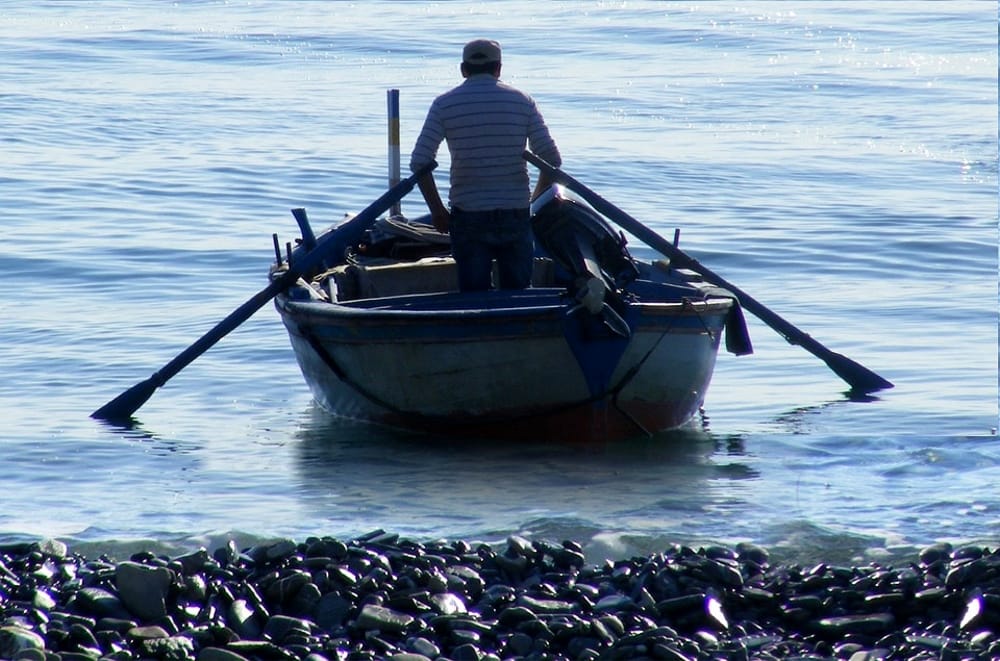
{"x":487,"y":125}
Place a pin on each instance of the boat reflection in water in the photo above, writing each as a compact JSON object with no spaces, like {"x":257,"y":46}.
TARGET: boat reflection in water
{"x":615,"y":497}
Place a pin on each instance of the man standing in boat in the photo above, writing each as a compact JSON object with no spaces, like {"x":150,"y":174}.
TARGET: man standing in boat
{"x":487,"y":124}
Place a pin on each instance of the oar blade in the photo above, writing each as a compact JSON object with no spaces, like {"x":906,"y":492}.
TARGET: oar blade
{"x":861,"y":379}
{"x":124,"y":406}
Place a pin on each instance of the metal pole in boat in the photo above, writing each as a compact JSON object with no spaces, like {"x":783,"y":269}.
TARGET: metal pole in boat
{"x":392,"y":103}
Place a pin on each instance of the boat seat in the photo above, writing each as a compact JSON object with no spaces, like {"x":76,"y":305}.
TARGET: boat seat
{"x":432,"y":274}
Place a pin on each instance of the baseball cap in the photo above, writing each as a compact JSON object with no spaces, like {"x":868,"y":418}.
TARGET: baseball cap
{"x":481,"y":51}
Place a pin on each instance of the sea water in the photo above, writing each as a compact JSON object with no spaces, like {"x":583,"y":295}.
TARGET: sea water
{"x":837,"y":161}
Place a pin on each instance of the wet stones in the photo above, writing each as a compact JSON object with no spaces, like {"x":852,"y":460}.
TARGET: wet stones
{"x":143,"y":589}
{"x":383,"y":597}
{"x":16,"y":639}
{"x":376,"y":618}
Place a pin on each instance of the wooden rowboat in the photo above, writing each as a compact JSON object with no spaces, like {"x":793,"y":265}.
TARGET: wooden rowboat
{"x":600,"y":347}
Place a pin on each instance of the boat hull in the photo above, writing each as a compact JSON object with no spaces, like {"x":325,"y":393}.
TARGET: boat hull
{"x":511,"y":365}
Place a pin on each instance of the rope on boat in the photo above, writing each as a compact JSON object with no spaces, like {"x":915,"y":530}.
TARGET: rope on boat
{"x":686,"y":304}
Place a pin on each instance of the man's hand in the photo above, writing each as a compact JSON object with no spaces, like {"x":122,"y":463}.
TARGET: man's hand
{"x":441,"y":220}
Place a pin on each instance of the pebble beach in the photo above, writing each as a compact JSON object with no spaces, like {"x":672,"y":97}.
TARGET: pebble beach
{"x":380,"y":596}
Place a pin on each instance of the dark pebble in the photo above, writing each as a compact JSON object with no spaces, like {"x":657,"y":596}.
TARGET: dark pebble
{"x":383,"y":597}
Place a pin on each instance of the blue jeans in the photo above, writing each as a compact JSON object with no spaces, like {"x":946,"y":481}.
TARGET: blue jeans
{"x":479,"y":237}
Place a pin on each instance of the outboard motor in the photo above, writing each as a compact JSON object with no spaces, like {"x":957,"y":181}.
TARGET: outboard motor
{"x":580,"y":240}
{"x":584,"y":244}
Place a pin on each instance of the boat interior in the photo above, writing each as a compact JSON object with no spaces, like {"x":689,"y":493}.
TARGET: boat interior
{"x":427,"y":275}
{"x":577,"y":251}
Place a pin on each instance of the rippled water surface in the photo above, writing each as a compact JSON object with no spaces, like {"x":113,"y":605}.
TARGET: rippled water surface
{"x":837,"y":162}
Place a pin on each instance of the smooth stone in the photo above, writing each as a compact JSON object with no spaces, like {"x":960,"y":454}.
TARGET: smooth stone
{"x":448,"y":603}
{"x":279,"y":626}
{"x":466,"y":652}
{"x":515,"y":567}
{"x":688,"y":603}
{"x":313,"y":656}
{"x":668,"y":652}
{"x":873,"y":623}
{"x":384,"y":619}
{"x":514,"y":615}
{"x":547,"y":606}
{"x":15,"y":639}
{"x":330,"y":548}
{"x":967,"y":553}
{"x":42,"y":600}
{"x":195,"y":588}
{"x":518,"y":645}
{"x":719,"y":553}
{"x":281,"y":549}
{"x":614,"y":603}
{"x":870,"y":655}
{"x":83,"y":636}
{"x":331,"y":611}
{"x":567,"y":559}
{"x":964,"y":573}
{"x":147,"y":633}
{"x":193,"y":562}
{"x":174,"y":647}
{"x":848,"y":649}
{"x":884,"y":600}
{"x":758,"y":595}
{"x":226,"y":555}
{"x":613,"y":623}
{"x":519,"y":545}
{"x":256,"y":649}
{"x":284,"y":589}
{"x":102,"y":603}
{"x":421,"y":645}
{"x":601,"y":631}
{"x":31,"y":655}
{"x":723,"y":572}
{"x":809,"y":602}
{"x":219,"y":654}
{"x":243,"y":620}
{"x":579,"y":647}
{"x":143,"y":589}
{"x":930,"y":595}
{"x":52,"y":548}
{"x":305,"y":599}
{"x":345,"y":576}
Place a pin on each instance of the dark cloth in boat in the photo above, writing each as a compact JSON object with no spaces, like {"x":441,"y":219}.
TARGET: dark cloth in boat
{"x":479,"y":237}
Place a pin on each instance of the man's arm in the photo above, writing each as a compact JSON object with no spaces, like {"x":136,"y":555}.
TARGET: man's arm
{"x":439,"y":212}
{"x":424,"y":151}
{"x":540,"y":142}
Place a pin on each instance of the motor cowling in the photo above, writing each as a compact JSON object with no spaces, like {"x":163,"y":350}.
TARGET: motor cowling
{"x":580,"y":240}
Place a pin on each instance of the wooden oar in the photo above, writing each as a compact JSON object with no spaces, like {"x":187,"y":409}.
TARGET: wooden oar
{"x":861,"y":379}
{"x":121,"y":408}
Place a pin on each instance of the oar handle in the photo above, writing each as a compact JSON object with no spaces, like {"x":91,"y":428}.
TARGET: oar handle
{"x":860,"y":378}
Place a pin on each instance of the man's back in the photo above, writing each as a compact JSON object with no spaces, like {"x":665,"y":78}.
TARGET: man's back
{"x":487,"y":124}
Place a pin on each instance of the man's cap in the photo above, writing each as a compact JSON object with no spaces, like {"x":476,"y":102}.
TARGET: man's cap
{"x":481,"y":51}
